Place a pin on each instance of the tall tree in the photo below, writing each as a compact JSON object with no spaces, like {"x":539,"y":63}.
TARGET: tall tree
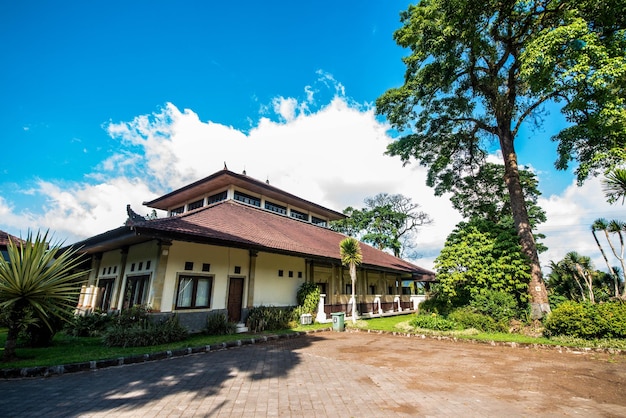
{"x":39,"y":277}
{"x":484,"y":195}
{"x":386,"y":222}
{"x":479,"y":70}
{"x":350,"y":252}
{"x":602,"y":225}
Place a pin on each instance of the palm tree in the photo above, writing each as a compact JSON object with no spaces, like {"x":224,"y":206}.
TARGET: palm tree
{"x":601,"y":224}
{"x":351,"y":256}
{"x":581,"y":267}
{"x":38,"y":278}
{"x":614,"y":185}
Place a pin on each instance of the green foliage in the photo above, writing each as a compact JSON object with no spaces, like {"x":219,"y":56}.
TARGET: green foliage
{"x":217,"y":324}
{"x":269,"y":318}
{"x":434,"y":322}
{"x":484,"y":195}
{"x":91,"y":324}
{"x":437,"y":303}
{"x":145,"y":333}
{"x":308,"y":297}
{"x":479,"y":256}
{"x":39,"y":278}
{"x":587,"y":320}
{"x":137,"y":314}
{"x":387,"y":222}
{"x":499,"y":305}
{"x":467,"y":317}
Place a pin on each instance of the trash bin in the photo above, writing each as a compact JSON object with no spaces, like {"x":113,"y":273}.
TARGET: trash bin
{"x":338,"y":318}
{"x":306,"y":319}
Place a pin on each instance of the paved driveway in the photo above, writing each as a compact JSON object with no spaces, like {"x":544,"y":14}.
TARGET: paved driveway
{"x":332,"y":374}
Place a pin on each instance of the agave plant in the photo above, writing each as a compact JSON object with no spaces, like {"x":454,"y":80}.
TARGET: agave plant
{"x":38,"y":278}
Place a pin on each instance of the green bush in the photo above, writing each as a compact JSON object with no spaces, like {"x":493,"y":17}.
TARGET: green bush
{"x":436,"y":304}
{"x":434,"y":322}
{"x":138,"y":314}
{"x":217,"y":324}
{"x":88,"y":325}
{"x":467,"y":317}
{"x":586,"y":320}
{"x":145,"y":333}
{"x":269,"y":318}
{"x":499,"y":305}
{"x":308,"y":296}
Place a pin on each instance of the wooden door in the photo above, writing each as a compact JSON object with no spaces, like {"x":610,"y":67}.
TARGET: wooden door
{"x":235,"y":299}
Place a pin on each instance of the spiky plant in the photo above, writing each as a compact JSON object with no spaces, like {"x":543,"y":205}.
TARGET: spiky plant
{"x":614,"y":185}
{"x":40,"y":278}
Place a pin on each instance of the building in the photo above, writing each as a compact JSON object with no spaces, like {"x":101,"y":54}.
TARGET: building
{"x":230,"y":243}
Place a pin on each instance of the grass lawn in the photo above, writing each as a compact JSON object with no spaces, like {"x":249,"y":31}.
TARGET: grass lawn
{"x":68,"y":350}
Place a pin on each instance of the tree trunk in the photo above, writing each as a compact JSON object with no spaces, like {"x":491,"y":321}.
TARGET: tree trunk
{"x":536,"y":288}
{"x":353,"y":277}
{"x":608,"y":265}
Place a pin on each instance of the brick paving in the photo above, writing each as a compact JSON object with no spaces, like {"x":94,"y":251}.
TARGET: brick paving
{"x":332,"y":374}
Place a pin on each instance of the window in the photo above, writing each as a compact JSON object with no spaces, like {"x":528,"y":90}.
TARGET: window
{"x":275,"y":208}
{"x":148,"y":265}
{"x":195,"y":205}
{"x":136,"y":289}
{"x":177,"y":211}
{"x":105,"y":290}
{"x":322,"y":287}
{"x":194,"y":292}
{"x":188,"y":265}
{"x":299,"y":275}
{"x":206,"y":267}
{"x":280,"y":273}
{"x":372,"y":289}
{"x":318,"y":221}
{"x":237,"y":269}
{"x":245,"y":198}
{"x":216,"y":198}
{"x":299,"y":215}
{"x":290,"y":273}
{"x":348,"y":289}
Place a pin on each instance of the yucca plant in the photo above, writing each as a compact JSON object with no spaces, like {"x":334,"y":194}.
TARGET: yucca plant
{"x":40,"y":278}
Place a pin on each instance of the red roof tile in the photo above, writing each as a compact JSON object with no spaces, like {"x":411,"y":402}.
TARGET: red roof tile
{"x":234,"y":223}
{"x":4,"y":239}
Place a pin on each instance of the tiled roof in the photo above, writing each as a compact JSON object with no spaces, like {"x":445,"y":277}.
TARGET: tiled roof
{"x":233,"y":223}
{"x":4,"y":239}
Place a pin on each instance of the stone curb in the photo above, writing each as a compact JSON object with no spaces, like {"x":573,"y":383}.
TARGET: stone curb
{"x":48,"y":371}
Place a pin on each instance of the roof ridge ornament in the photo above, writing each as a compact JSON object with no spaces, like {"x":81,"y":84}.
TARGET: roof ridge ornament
{"x":133,"y":217}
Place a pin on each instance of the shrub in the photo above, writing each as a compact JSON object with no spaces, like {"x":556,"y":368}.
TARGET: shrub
{"x":217,"y":324}
{"x":308,"y":296}
{"x":89,"y":325}
{"x":138,"y":314}
{"x":499,"y":305}
{"x":586,"y":320}
{"x":269,"y":318}
{"x":467,"y":317}
{"x":436,"y":304}
{"x":145,"y":333}
{"x":433,"y":321}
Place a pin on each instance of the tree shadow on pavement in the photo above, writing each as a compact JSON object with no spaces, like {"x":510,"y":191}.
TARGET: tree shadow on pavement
{"x":177,"y":381}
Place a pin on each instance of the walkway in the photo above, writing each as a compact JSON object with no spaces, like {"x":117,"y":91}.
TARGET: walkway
{"x":332,"y":374}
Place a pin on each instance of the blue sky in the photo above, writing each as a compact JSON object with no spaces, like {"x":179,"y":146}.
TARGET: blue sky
{"x":109,"y":103}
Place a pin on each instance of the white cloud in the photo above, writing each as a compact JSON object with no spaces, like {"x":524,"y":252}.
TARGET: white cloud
{"x":570,"y":216}
{"x":332,"y":155}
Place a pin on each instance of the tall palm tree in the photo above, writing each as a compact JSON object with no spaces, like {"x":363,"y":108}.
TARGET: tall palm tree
{"x":350,"y":251}
{"x":614,"y":185}
{"x":40,"y":278}
{"x":601,"y":224}
{"x":617,"y":227}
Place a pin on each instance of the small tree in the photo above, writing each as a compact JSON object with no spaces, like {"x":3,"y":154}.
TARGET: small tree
{"x":38,"y":278}
{"x":351,"y":256}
